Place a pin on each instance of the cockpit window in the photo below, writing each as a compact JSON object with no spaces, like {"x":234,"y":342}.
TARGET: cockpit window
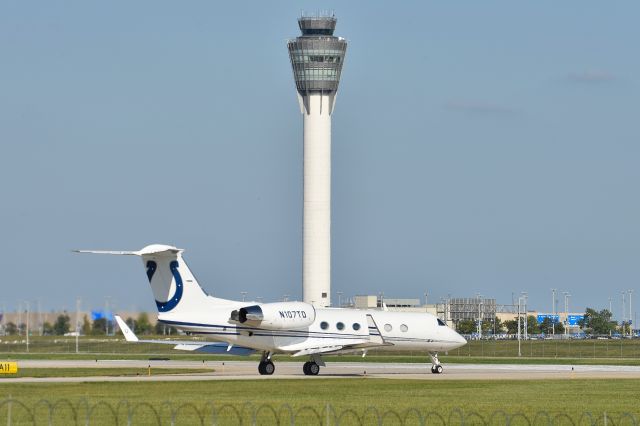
{"x":440,"y":322}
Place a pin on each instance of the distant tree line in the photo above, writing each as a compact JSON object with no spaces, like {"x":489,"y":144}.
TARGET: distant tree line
{"x":98,"y":327}
{"x":593,"y":322}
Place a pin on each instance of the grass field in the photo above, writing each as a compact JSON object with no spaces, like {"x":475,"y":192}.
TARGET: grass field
{"x":570,"y":397}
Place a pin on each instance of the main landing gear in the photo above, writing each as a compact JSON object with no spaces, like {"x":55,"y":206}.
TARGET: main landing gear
{"x":436,"y":367}
{"x":310,"y":368}
{"x":266,"y":367}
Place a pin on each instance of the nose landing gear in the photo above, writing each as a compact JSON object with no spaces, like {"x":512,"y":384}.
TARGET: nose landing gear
{"x":436,"y":367}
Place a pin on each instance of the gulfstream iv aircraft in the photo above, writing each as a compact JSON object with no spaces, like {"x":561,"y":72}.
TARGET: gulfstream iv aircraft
{"x":294,"y":328}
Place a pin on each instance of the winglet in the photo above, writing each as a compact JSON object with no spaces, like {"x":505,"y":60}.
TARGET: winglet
{"x":375,"y":335}
{"x":128,"y":334}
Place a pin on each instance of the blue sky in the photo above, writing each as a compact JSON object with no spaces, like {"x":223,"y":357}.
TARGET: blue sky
{"x":478,"y":147}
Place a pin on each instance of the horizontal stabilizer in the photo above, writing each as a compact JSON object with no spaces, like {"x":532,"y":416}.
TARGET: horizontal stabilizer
{"x":118,"y":253}
{"x":184,"y":345}
{"x":153,"y":249}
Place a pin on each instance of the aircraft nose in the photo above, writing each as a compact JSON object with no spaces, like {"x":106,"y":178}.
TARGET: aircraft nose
{"x":459,"y":339}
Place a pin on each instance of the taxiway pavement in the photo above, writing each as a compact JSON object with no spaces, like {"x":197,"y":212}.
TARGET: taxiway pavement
{"x":247,"y":370}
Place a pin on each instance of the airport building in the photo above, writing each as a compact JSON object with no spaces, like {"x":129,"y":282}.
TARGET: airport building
{"x":471,"y":309}
{"x":454,"y":310}
{"x":317,"y":57}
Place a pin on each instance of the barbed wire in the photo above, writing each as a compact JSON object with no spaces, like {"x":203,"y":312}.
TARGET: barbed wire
{"x":13,"y":411}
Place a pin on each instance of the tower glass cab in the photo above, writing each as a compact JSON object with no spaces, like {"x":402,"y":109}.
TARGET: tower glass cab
{"x":317,"y":57}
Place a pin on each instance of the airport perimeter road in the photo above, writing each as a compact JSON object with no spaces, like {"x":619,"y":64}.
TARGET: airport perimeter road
{"x":247,"y":370}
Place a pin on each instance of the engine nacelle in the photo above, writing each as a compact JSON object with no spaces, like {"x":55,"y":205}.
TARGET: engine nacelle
{"x":276,"y":316}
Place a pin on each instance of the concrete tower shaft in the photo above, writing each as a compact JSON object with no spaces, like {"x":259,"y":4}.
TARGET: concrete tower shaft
{"x":316,"y":58}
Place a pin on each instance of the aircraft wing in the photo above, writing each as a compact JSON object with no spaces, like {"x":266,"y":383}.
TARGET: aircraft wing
{"x":186,"y":345}
{"x":338,"y":349}
{"x":374,"y":340}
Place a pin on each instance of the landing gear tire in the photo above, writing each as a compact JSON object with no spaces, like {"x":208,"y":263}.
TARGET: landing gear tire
{"x":436,"y":367}
{"x":266,"y":368}
{"x":310,"y":368}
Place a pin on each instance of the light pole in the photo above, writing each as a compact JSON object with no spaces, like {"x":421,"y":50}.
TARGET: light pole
{"x":2,"y":320}
{"x":426,"y":299}
{"x":525,"y":319}
{"x":77,"y":322}
{"x":611,"y":315}
{"x":20,"y":318}
{"x":624,"y":317}
{"x":553,"y":311}
{"x":28,"y":314}
{"x":479,"y":298}
{"x":519,"y":304}
{"x":630,"y":315}
{"x":566,"y":312}
{"x":244,"y":295}
{"x":106,"y":315}
{"x":40,"y":323}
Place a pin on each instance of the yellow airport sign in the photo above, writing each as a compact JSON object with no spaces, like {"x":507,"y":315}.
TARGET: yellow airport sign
{"x":8,"y":367}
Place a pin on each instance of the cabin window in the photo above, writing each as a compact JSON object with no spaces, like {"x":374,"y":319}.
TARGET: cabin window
{"x":356,"y":326}
{"x":340,"y":326}
{"x":440,"y":322}
{"x":387,"y":327}
{"x":404,"y":328}
{"x":324,"y":325}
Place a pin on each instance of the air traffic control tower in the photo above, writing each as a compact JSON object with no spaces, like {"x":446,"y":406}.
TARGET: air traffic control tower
{"x":317,"y":57}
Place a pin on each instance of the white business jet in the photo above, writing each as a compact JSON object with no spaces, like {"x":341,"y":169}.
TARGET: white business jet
{"x":294,"y":328}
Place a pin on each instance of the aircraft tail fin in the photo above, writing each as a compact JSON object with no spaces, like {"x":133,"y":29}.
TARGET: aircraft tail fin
{"x":173,"y":284}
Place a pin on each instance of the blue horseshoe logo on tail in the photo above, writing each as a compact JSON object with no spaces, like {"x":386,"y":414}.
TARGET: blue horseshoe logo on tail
{"x":173,"y":302}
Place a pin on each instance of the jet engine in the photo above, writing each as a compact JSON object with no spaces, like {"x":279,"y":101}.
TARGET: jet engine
{"x":275,"y":316}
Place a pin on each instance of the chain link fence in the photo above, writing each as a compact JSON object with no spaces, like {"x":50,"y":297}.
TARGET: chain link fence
{"x":66,"y":412}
